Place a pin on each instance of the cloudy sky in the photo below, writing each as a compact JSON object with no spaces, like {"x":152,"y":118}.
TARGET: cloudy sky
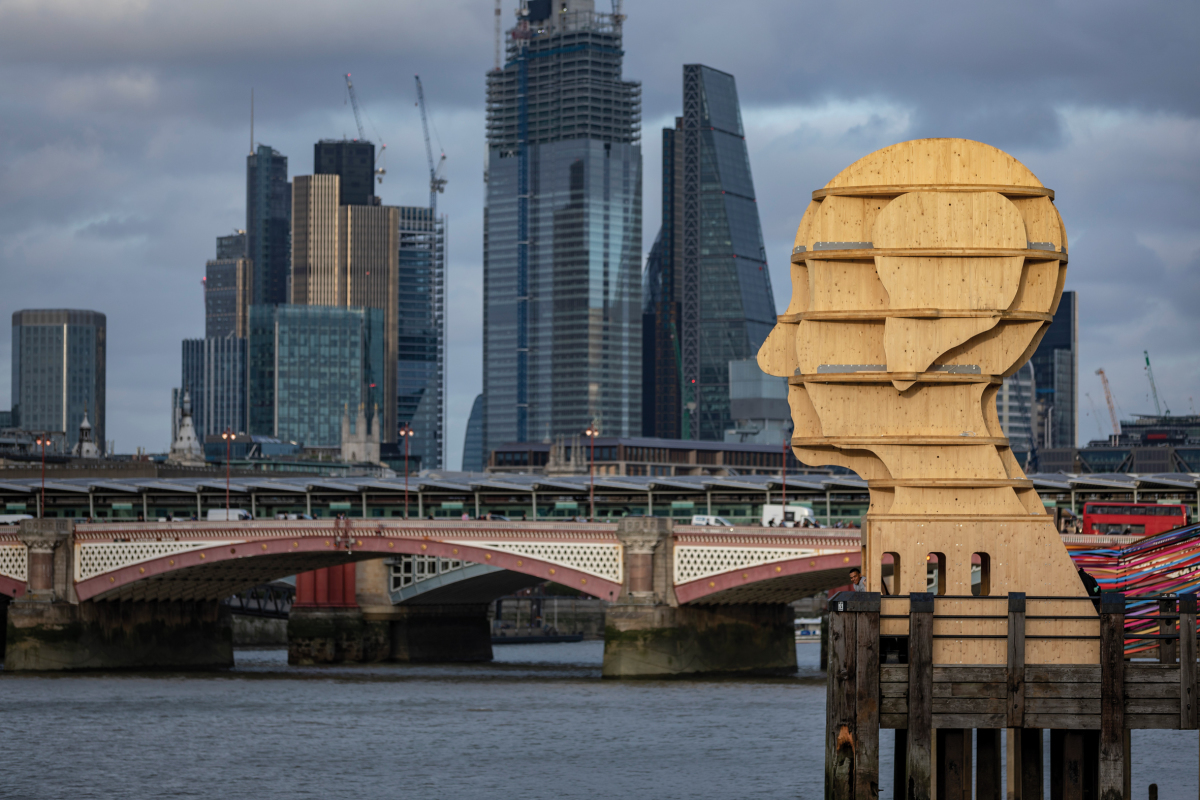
{"x":124,"y":125}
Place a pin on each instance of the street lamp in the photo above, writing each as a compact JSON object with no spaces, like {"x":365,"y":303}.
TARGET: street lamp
{"x":783,"y":507}
{"x":43,"y":440}
{"x":592,"y":432}
{"x":228,"y":437}
{"x":407,"y":432}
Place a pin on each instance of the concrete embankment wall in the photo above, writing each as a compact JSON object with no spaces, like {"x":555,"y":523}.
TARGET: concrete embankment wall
{"x":258,"y":631}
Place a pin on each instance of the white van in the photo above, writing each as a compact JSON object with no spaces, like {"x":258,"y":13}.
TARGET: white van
{"x":794,"y":516}
{"x":704,"y":519}
{"x":230,"y":515}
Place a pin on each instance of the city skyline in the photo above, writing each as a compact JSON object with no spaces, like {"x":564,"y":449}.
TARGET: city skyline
{"x":107,"y":219}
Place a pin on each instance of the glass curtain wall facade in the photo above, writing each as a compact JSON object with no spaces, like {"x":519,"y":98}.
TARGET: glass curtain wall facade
{"x":1056,"y":377}
{"x":1014,"y":406}
{"x":354,"y":163}
{"x":708,"y":297}
{"x":214,"y":373}
{"x":228,"y":283}
{"x":58,"y":371}
{"x":308,"y":364}
{"x":562,"y":231}
{"x":269,"y":224}
{"x":473,"y":457}
{"x":421,"y":364}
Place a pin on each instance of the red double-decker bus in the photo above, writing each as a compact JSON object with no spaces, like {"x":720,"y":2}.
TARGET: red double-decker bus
{"x":1132,"y":519}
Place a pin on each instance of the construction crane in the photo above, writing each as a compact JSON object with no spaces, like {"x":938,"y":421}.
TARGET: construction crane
{"x":437,"y":184}
{"x":362,"y":136}
{"x":1112,"y":410}
{"x":1153,"y":389}
{"x":497,"y":42}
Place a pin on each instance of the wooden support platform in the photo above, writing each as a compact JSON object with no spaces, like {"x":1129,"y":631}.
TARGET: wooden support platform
{"x":948,"y":716}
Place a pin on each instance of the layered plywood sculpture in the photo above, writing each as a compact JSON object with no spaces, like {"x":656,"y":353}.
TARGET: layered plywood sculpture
{"x":923,"y":275}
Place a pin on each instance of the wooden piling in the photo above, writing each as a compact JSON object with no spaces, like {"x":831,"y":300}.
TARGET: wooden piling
{"x":1016,"y":660}
{"x":1166,"y":627}
{"x":1112,"y":696}
{"x":1188,"y":716}
{"x":988,"y":765}
{"x":920,"y":697}
{"x":953,"y":763}
{"x":840,"y":700}
{"x":865,"y":607}
{"x":1029,"y":740}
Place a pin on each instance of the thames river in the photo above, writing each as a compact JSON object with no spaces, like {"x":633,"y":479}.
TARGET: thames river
{"x":538,"y":722}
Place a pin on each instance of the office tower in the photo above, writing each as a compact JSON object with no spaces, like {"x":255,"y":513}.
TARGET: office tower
{"x":758,"y":405}
{"x":562,"y":230}
{"x":421,"y":363}
{"x":1015,"y":408}
{"x":228,"y":283}
{"x":1056,"y":377}
{"x":348,"y":257}
{"x":214,"y":374}
{"x":707,"y":292}
{"x":309,"y":364}
{"x":354,"y":163}
{"x":268,"y":224}
{"x":58,"y":371}
{"x":473,"y":457}
{"x":232,"y":246}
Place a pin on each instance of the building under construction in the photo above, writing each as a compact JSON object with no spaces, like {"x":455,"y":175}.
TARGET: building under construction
{"x":562,"y":230}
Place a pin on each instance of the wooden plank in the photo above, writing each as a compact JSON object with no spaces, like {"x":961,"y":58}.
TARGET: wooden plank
{"x":971,"y":674}
{"x":893,"y":673}
{"x":899,"y":189}
{"x":894,"y":721}
{"x":893,"y":690}
{"x":1054,"y":673}
{"x":1161,"y":705}
{"x":857,"y":254}
{"x":1113,"y":766}
{"x":866,"y":753}
{"x":970,"y":690}
{"x":1141,"y":690}
{"x":1167,"y":649}
{"x":1073,"y":721}
{"x":1062,"y":705}
{"x":1033,"y":690}
{"x":1152,"y":673}
{"x":1167,"y":722}
{"x":839,"y":719}
{"x":988,"y":765}
{"x":1189,"y":714}
{"x":968,"y":720}
{"x":1016,"y":672}
{"x":920,"y":697}
{"x":971,"y":705}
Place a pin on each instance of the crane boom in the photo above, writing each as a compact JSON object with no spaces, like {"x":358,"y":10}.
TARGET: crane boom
{"x":1112,"y":411}
{"x":362,"y":136}
{"x":437,"y":184}
{"x":1153,"y":388}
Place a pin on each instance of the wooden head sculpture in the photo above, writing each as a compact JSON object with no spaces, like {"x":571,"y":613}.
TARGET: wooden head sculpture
{"x":922,"y":276}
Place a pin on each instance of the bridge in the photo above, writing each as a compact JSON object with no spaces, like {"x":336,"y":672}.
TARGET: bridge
{"x":372,"y":589}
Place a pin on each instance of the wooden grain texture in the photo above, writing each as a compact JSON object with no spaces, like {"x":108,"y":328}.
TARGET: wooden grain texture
{"x":921,"y":257}
{"x":1015,"y":677}
{"x":840,"y":712}
{"x":954,"y":764}
{"x":1188,"y":713}
{"x":867,"y":705}
{"x":1112,"y":697}
{"x":920,"y":698}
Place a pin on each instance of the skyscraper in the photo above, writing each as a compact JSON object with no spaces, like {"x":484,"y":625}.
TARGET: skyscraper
{"x":354,"y":163}
{"x":348,"y":257}
{"x":232,"y":246}
{"x":268,"y":224}
{"x":562,"y":230}
{"x":1056,"y":377}
{"x":310,"y":364}
{"x":214,"y":374}
{"x":421,"y":365}
{"x":707,"y":296}
{"x":228,"y":283}
{"x":58,"y":371}
{"x":1015,"y":409}
{"x":474,"y":458}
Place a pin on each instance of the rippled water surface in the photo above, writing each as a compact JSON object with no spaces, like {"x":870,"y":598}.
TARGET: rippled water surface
{"x":536,"y":723}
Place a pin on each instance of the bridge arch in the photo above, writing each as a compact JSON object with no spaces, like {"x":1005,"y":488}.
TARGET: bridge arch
{"x":183,"y":569}
{"x":772,"y":582}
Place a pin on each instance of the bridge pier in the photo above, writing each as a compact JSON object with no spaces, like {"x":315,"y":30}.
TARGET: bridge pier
{"x":648,"y":634}
{"x":49,"y":629}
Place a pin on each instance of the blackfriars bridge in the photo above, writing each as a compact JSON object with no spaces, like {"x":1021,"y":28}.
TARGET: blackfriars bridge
{"x":686,"y":599}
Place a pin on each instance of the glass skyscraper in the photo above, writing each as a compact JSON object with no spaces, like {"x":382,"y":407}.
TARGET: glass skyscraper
{"x":269,"y":224}
{"x":562,"y":230}
{"x":58,"y":371}
{"x":214,"y":373}
{"x":353,"y":162}
{"x":421,"y":365}
{"x":1056,"y":377}
{"x":707,"y":296}
{"x":308,"y":364}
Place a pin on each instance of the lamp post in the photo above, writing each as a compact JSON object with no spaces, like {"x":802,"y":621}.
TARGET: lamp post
{"x":228,"y":437}
{"x":43,"y":439}
{"x":592,"y":433}
{"x":783,"y":499}
{"x":407,"y":432}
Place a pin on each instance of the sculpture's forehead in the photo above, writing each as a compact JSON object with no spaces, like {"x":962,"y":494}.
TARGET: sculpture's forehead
{"x":936,"y":161}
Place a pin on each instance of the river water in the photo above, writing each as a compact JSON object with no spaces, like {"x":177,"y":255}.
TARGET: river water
{"x":536,"y":723}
